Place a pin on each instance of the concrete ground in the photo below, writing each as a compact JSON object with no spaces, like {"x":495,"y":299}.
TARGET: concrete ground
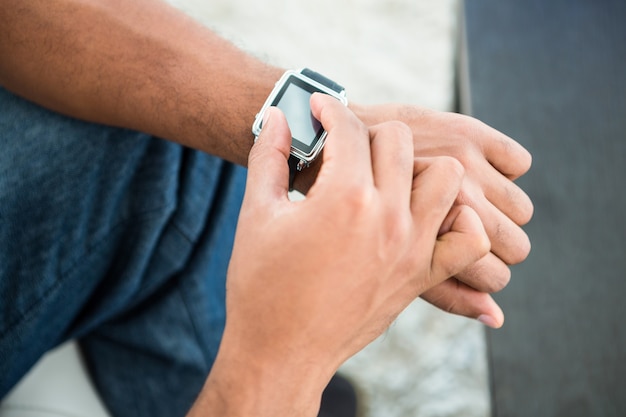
{"x":429,"y":363}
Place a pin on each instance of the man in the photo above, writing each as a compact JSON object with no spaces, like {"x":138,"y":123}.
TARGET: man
{"x":123,"y":240}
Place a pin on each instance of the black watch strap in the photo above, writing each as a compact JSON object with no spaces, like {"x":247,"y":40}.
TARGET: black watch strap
{"x":322,"y":80}
{"x":293,"y":168}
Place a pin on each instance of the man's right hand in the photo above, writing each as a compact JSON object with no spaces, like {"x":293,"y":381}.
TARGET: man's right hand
{"x":312,"y":282}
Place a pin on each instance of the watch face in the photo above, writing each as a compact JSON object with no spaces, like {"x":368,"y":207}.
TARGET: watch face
{"x":294,"y":101}
{"x":292,"y":94}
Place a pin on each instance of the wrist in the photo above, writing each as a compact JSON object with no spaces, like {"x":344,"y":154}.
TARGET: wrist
{"x":221,"y":118}
{"x":242,"y":382}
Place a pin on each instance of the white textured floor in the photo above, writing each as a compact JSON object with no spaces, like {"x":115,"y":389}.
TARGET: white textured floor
{"x":429,"y":363}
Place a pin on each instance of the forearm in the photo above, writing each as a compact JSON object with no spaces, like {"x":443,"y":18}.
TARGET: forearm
{"x":244,"y":383}
{"x":141,"y":65}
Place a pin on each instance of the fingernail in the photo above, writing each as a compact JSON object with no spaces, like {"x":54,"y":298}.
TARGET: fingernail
{"x":488,"y":321}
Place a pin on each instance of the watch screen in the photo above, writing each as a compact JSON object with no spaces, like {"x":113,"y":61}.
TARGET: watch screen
{"x":294,"y":101}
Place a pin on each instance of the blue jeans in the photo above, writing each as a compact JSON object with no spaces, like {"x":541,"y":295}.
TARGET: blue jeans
{"x":117,"y":239}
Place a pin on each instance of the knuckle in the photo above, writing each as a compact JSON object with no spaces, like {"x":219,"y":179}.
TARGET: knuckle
{"x":449,"y":269}
{"x":450,"y":306}
{"x":522,"y":206}
{"x":465,"y":127}
{"x":520,"y":159}
{"x":357,"y":198}
{"x":502,"y":281}
{"x":526,"y":212}
{"x":400,"y":130}
{"x":493,"y":286}
{"x":523,"y":250}
{"x":482,"y":244}
{"x":465,"y":198}
{"x":525,"y":161}
{"x":495,"y":276}
{"x":445,"y":299}
{"x":493,"y":279}
{"x":477,"y":238}
{"x":451,"y":166}
{"x":518,"y":251}
{"x":394,"y":126}
{"x":412,"y":113}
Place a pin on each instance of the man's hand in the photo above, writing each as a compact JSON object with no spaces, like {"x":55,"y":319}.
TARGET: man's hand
{"x":312,"y":282}
{"x":492,"y":161}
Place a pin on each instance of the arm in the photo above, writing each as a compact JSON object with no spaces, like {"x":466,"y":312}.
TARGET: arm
{"x":146,"y":66}
{"x":137,"y":64}
{"x":365,"y":247}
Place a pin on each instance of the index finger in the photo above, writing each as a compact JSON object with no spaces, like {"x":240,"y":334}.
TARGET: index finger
{"x":503,"y":153}
{"x":392,"y":161}
{"x":347,"y":148}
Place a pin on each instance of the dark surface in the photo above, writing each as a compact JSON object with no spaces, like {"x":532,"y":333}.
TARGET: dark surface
{"x":552,"y":74}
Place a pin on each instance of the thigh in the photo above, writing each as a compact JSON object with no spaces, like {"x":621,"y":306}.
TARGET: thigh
{"x":154,"y":359}
{"x":94,"y":223}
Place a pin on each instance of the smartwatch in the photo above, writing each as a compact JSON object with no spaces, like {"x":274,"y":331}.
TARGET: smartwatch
{"x":292,"y":94}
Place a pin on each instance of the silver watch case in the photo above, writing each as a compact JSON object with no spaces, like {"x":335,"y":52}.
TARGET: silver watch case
{"x":304,"y":158}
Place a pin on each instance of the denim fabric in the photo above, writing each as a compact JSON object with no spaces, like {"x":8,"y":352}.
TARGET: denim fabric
{"x":120,"y":240}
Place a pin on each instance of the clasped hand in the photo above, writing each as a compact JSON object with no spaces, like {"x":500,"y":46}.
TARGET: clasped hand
{"x":328,"y":274}
{"x":312,"y":282}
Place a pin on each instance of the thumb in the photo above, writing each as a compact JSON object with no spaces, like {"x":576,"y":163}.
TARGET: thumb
{"x":268,"y":169}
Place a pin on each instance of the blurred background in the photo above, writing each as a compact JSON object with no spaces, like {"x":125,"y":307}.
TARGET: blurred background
{"x":551,"y":75}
